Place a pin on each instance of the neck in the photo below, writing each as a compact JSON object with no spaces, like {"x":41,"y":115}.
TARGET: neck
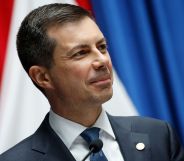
{"x":85,"y":116}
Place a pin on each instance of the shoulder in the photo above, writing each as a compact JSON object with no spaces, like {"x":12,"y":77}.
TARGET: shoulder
{"x":162,"y":138}
{"x":156,"y":129}
{"x":137,"y":120}
{"x":141,"y":124}
{"x":33,"y":147}
{"x":23,"y":151}
{"x":14,"y":153}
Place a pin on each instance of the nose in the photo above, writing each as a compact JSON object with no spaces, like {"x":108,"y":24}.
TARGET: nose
{"x":101,"y":60}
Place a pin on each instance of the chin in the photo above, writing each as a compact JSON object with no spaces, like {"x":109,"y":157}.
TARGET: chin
{"x":108,"y":98}
{"x":105,"y":96}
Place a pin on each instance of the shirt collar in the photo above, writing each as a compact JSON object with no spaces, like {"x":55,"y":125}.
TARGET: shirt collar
{"x":103,"y":123}
{"x":68,"y":130}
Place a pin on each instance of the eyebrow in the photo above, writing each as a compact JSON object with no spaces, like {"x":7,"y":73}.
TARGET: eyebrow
{"x":80,"y":46}
{"x":101,"y":40}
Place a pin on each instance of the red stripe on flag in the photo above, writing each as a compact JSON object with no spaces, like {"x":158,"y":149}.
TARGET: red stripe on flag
{"x":5,"y":20}
{"x":85,"y":4}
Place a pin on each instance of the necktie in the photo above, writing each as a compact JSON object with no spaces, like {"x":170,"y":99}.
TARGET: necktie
{"x":89,"y":135}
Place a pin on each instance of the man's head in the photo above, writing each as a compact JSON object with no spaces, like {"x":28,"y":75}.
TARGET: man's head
{"x":65,"y":54}
{"x":33,"y":44}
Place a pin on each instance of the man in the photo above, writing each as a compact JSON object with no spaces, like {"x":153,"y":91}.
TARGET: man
{"x":65,"y":54}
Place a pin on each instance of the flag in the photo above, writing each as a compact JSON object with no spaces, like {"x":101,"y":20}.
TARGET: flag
{"x":22,"y":105}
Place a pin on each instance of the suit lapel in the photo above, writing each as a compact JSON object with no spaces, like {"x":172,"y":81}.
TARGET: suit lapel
{"x":47,"y":143}
{"x":128,"y":139}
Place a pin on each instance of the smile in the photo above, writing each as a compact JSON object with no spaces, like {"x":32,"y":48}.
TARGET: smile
{"x":102,"y":81}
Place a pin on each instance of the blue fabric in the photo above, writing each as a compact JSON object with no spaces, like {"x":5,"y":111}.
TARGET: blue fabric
{"x":146,"y":44}
{"x":89,"y":135}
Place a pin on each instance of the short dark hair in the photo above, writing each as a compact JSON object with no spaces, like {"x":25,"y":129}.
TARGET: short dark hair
{"x":33,"y":44}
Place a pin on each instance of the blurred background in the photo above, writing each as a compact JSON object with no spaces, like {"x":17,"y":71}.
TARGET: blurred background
{"x":145,"y":40}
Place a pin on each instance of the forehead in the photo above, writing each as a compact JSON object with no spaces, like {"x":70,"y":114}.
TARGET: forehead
{"x":84,"y":31}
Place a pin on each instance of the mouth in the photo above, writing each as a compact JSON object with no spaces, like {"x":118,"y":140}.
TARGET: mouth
{"x":104,"y":80}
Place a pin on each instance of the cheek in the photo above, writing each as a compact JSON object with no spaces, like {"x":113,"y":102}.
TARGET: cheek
{"x":110,"y":64}
{"x":80,"y":71}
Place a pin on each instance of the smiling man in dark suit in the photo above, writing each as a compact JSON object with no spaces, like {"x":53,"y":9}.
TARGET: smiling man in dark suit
{"x":65,"y":54}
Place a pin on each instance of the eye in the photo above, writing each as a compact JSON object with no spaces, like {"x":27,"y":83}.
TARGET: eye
{"x":102,"y":48}
{"x":80,"y":54}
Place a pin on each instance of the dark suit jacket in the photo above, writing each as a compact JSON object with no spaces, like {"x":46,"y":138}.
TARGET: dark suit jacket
{"x":160,"y":142}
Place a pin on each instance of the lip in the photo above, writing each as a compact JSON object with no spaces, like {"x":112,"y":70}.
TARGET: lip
{"x":101,"y":80}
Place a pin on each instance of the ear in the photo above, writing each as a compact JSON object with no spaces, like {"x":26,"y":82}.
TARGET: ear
{"x":40,"y":76}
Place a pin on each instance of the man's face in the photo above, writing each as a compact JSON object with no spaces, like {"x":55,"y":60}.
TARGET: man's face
{"x":82,"y":69}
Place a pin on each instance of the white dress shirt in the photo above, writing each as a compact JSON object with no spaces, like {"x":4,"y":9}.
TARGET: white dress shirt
{"x":70,"y":131}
